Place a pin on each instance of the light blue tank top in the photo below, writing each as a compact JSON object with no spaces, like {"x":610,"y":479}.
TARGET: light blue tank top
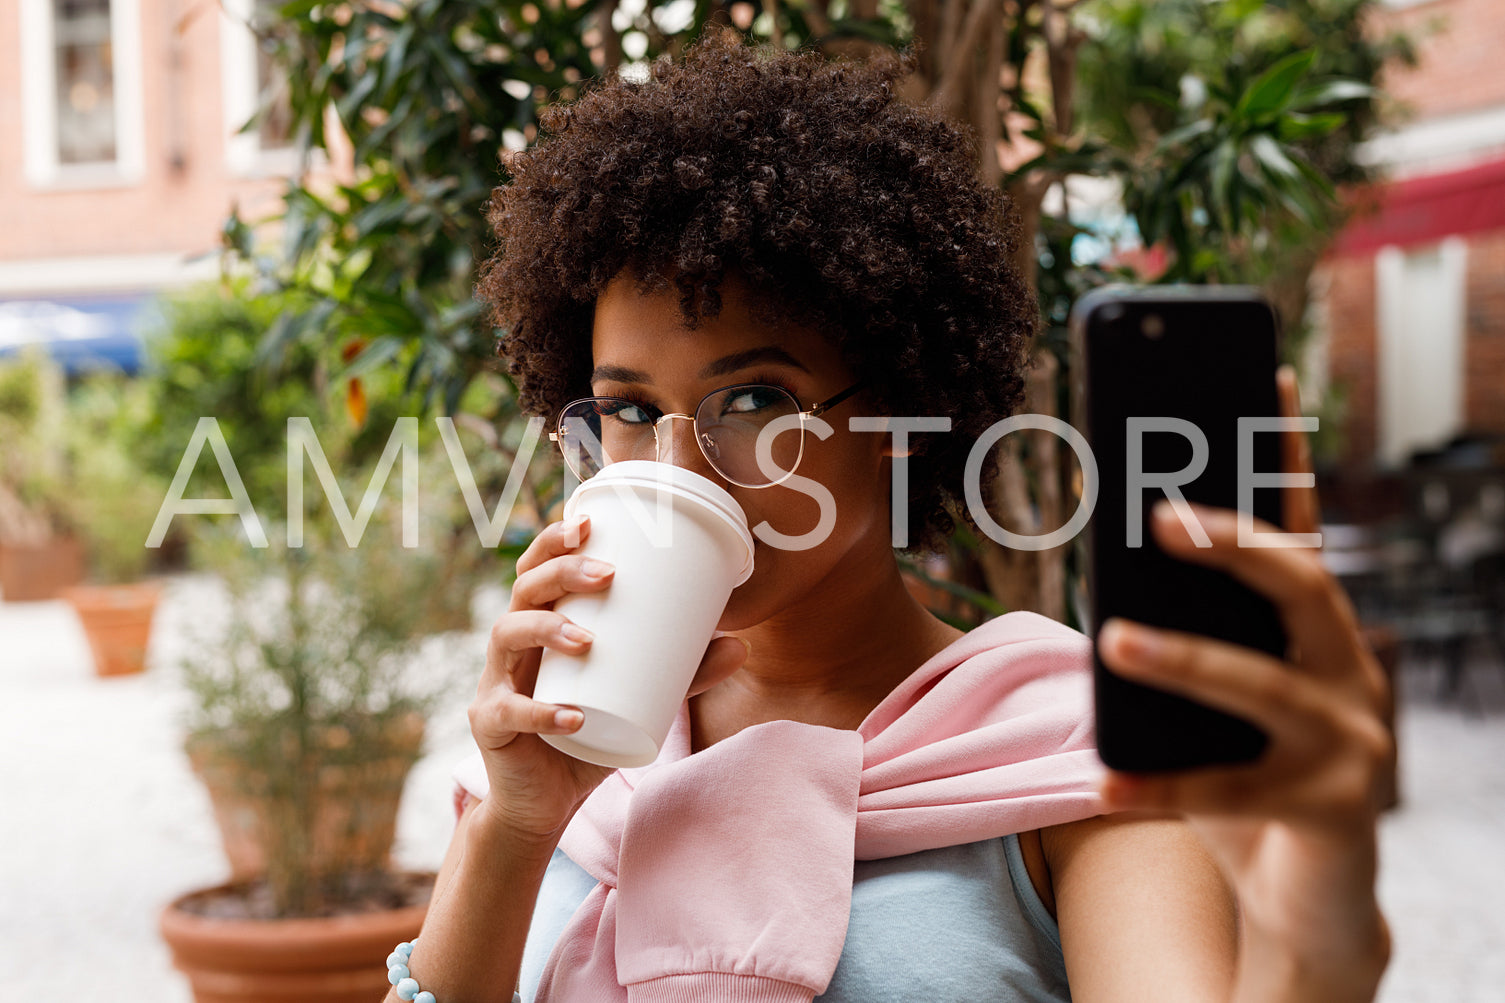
{"x":954,"y":925}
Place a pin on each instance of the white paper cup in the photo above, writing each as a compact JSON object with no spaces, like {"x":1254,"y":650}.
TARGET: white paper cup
{"x":679,"y":544}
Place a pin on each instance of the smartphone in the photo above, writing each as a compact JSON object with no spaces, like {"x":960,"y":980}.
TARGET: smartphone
{"x":1155,"y":368}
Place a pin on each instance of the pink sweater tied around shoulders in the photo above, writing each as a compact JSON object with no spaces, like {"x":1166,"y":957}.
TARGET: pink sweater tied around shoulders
{"x":727,"y":875}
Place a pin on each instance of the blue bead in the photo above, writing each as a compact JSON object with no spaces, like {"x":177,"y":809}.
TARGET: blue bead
{"x":396,"y":958}
{"x":424,"y":997}
{"x":407,"y":989}
{"x":396,"y":973}
{"x":405,"y":949}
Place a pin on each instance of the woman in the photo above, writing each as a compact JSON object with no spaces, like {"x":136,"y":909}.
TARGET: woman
{"x":763,"y":219}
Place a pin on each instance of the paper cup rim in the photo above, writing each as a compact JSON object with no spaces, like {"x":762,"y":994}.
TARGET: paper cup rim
{"x":679,"y":481}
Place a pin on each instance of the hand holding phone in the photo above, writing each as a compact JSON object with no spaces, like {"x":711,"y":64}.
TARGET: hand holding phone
{"x":1177,"y":398}
{"x":1290,"y":816}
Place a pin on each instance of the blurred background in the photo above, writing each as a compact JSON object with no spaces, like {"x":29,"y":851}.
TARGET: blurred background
{"x":249,"y":210}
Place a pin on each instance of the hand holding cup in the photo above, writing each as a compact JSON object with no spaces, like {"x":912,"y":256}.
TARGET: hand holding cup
{"x":535,"y":788}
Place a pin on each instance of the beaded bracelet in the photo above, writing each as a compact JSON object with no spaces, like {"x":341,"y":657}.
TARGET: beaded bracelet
{"x":407,"y":986}
{"x":399,"y":976}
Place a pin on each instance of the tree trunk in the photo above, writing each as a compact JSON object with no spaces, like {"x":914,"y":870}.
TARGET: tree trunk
{"x":965,"y":73}
{"x":1031,"y":579}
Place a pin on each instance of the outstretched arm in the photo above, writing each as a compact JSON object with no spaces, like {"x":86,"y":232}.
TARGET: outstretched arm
{"x":1293,"y":834}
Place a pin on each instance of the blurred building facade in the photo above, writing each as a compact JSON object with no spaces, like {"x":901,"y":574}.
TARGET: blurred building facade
{"x":121,"y":152}
{"x":1410,"y":310}
{"x":1411,"y":300}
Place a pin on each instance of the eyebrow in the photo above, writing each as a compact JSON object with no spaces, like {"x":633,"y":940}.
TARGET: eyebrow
{"x":721,"y":367}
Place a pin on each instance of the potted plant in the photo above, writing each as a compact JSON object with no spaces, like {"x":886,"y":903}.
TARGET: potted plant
{"x":113,"y":501}
{"x":307,"y":709}
{"x":305,"y":720}
{"x":39,"y":555}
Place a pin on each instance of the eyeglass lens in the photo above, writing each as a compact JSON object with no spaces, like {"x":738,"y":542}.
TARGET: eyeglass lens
{"x":601,"y":430}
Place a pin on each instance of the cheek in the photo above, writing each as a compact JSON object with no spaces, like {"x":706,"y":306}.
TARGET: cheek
{"x":857,"y":488}
{"x":855,"y":478}
{"x":860,"y":508}
{"x":797,"y":513}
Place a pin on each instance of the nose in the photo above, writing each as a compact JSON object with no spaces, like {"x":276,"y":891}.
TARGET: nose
{"x":675,"y":434}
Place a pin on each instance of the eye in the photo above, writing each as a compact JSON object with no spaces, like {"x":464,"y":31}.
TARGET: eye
{"x":750,"y":400}
{"x":624,"y":412}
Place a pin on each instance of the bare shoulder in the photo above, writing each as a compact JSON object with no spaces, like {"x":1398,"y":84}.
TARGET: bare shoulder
{"x":1108,"y":833}
{"x":1143,"y":909}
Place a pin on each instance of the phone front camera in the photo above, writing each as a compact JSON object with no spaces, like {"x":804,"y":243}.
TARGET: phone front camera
{"x":1152,"y":326}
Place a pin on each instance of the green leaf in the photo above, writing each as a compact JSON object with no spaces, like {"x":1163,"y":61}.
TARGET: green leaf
{"x":372,"y":356}
{"x":288,"y":329}
{"x":395,"y":68}
{"x":1332,"y":92}
{"x":1271,"y":90}
{"x":1187,"y":171}
{"x":1224,"y":162}
{"x":1184,"y":135}
{"x":1295,"y":126}
{"x":350,"y":105}
{"x":1154,"y":95}
{"x":1316,"y":179}
{"x":397,"y":119}
{"x":380,"y":215}
{"x":1269,"y":153}
{"x":455,"y":68}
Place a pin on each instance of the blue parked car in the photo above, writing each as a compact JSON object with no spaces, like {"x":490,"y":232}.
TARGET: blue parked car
{"x":81,"y":334}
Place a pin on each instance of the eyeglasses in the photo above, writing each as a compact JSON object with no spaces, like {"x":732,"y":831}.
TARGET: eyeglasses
{"x":729,"y":429}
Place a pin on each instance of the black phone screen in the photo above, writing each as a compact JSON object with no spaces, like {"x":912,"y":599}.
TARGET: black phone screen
{"x":1160,"y":369}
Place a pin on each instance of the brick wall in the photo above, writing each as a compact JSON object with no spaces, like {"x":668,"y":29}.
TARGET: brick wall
{"x":1459,"y":49}
{"x":1353,"y":350}
{"x":1458,"y":72}
{"x":1484,"y":347}
{"x":188,"y":187}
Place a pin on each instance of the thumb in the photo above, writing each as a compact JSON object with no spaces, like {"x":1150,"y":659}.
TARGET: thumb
{"x":723,"y":656}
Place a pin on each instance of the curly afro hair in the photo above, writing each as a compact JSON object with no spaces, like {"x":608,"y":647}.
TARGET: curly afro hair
{"x":841,"y":207}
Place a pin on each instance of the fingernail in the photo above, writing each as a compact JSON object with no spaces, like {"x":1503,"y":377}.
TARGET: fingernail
{"x":568,"y":719}
{"x":593,"y":568}
{"x":1199,"y":517}
{"x":746,"y":644}
{"x":1286,"y":373}
{"x":1136,"y":643}
{"x":575,"y":633}
{"x":1166,"y":513}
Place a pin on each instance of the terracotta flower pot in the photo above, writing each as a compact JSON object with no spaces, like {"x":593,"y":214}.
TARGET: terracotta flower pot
{"x":117,"y":620}
{"x":32,"y":573}
{"x":335,"y":959}
{"x":355,"y":817}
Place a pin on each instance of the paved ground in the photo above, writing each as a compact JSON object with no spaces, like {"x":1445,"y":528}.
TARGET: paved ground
{"x":103,"y":822}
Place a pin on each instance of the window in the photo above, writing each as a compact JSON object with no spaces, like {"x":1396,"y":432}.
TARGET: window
{"x":275,"y":130}
{"x":252,"y":81}
{"x":81,"y":92}
{"x":85,"y":81}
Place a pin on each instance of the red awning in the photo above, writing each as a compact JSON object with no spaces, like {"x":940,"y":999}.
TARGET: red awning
{"x":1426,"y":209}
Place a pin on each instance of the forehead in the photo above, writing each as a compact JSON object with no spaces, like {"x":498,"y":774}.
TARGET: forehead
{"x":647,"y":331}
